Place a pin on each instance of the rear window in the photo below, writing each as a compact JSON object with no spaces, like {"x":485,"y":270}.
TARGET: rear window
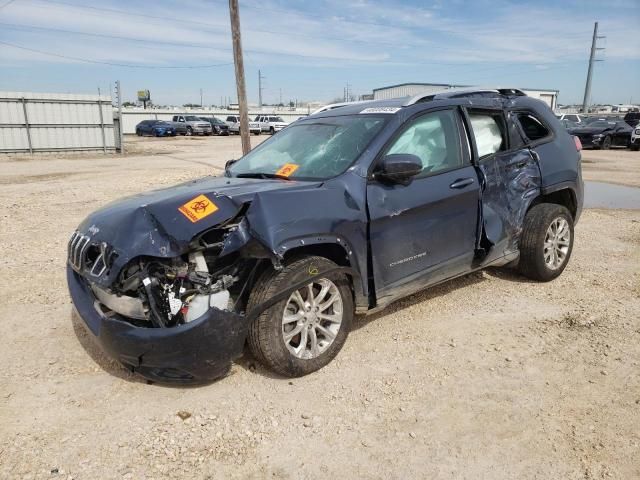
{"x":488,"y":132}
{"x":532,"y":127}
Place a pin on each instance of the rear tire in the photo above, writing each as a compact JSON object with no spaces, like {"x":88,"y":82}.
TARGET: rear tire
{"x":316,"y":349}
{"x":634,"y":148}
{"x":546,"y":242}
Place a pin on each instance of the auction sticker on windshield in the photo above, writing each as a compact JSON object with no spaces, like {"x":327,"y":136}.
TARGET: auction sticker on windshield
{"x":287,"y":169}
{"x":198,"y":208}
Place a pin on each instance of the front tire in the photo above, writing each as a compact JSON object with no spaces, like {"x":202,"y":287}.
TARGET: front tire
{"x":189,"y":131}
{"x":546,"y":242}
{"x":606,"y":143}
{"x":303,"y":333}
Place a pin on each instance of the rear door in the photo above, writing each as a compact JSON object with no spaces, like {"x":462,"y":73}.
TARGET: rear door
{"x":510,"y":179}
{"x":425,"y":231}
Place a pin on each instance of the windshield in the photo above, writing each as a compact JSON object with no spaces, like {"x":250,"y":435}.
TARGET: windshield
{"x":192,"y":118}
{"x":319,"y":149}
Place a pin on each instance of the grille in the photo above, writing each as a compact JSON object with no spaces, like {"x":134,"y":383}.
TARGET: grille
{"x":84,"y":255}
{"x":77,"y":248}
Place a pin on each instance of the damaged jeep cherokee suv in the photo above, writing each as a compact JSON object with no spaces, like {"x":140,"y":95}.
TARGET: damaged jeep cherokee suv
{"x":341,"y":213}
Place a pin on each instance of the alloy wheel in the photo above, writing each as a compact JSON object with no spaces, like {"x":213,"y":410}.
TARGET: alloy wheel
{"x":312,"y":318}
{"x":556,"y":243}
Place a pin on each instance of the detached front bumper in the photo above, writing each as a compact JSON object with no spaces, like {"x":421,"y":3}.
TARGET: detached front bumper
{"x":194,"y":353}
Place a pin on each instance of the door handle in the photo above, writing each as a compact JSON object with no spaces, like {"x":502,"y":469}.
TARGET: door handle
{"x":461,"y":183}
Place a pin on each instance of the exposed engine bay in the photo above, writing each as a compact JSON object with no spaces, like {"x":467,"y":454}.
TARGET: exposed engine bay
{"x":157,"y":292}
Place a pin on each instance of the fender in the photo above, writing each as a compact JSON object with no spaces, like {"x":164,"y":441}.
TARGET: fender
{"x":329,"y":239}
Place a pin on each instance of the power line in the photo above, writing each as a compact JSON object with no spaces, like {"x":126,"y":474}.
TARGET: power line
{"x":127,"y":65}
{"x":412,"y":61}
{"x":7,"y":4}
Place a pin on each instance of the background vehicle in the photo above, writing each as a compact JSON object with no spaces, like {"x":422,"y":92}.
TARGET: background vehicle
{"x":573,"y":117}
{"x":234,"y":125}
{"x":180,"y":127}
{"x":195,"y":125}
{"x":569,"y":124}
{"x":218,"y":126}
{"x":632,"y":118}
{"x":156,"y":128}
{"x":270,"y":123}
{"x":341,"y":213}
{"x":603,"y":134}
{"x":635,"y":139}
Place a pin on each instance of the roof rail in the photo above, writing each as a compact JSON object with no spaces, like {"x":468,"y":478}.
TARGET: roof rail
{"x":466,"y":92}
{"x":333,"y":106}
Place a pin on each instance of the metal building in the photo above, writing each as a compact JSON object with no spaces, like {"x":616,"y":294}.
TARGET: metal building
{"x":52,"y":122}
{"x":550,"y":97}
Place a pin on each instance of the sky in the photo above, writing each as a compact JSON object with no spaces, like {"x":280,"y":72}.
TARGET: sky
{"x":310,"y":50}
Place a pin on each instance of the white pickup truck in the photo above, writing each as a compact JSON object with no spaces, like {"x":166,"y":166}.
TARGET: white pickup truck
{"x":234,"y":125}
{"x":270,"y":123}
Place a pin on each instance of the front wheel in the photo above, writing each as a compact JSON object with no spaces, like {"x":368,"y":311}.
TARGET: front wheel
{"x":634,"y":147}
{"x":304,"y":332}
{"x":546,"y":242}
{"x":606,"y":143}
{"x":189,"y":131}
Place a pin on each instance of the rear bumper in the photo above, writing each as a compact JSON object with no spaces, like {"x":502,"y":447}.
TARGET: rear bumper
{"x":195,"y":353}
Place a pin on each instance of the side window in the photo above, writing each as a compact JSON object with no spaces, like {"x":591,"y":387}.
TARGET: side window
{"x":532,"y":127}
{"x":488,"y":132}
{"x":433,"y":138}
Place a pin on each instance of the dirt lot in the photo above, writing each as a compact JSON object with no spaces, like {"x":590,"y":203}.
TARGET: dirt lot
{"x":489,"y":376}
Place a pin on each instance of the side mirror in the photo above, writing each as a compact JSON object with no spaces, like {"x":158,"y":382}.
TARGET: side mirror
{"x":400,"y":168}
{"x":229,"y":163}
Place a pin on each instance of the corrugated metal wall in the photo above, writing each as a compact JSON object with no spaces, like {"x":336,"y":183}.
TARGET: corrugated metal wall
{"x":49,"y":122}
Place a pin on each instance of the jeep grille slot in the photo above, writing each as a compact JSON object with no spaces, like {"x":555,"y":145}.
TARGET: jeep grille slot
{"x":77,"y":247}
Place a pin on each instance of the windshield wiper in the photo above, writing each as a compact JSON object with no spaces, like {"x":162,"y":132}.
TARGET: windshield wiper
{"x":261,"y":175}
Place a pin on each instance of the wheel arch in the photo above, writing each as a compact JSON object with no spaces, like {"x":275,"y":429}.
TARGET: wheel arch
{"x":565,"y":196}
{"x":333,"y":248}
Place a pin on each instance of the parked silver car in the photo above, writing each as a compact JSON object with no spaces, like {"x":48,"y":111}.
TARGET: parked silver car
{"x":234,"y":125}
{"x":195,"y":125}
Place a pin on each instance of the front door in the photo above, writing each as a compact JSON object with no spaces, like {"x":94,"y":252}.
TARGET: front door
{"x":425,"y":231}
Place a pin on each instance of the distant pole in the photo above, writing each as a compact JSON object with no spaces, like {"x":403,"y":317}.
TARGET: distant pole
{"x":260,"y":77}
{"x":240,"y":85}
{"x":119,"y":103}
{"x":200,"y":98}
{"x":592,"y":59}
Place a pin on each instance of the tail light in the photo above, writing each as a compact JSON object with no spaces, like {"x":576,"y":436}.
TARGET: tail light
{"x":578,"y":143}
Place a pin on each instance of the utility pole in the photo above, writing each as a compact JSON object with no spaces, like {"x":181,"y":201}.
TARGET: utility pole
{"x":120,"y":126}
{"x":280,"y":96}
{"x":200,"y":98}
{"x":592,"y":59}
{"x":260,"y":88}
{"x":239,"y":66}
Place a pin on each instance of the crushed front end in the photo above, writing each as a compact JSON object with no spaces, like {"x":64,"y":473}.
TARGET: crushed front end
{"x":170,"y":319}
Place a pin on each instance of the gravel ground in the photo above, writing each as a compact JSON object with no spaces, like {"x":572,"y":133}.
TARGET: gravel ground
{"x":620,"y":166}
{"x":488,"y":376}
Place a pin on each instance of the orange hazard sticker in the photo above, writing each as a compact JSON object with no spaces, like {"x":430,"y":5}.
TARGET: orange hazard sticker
{"x":287,"y":169}
{"x":198,"y":208}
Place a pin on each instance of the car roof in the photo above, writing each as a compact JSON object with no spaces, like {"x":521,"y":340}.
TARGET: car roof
{"x":472,"y":96}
